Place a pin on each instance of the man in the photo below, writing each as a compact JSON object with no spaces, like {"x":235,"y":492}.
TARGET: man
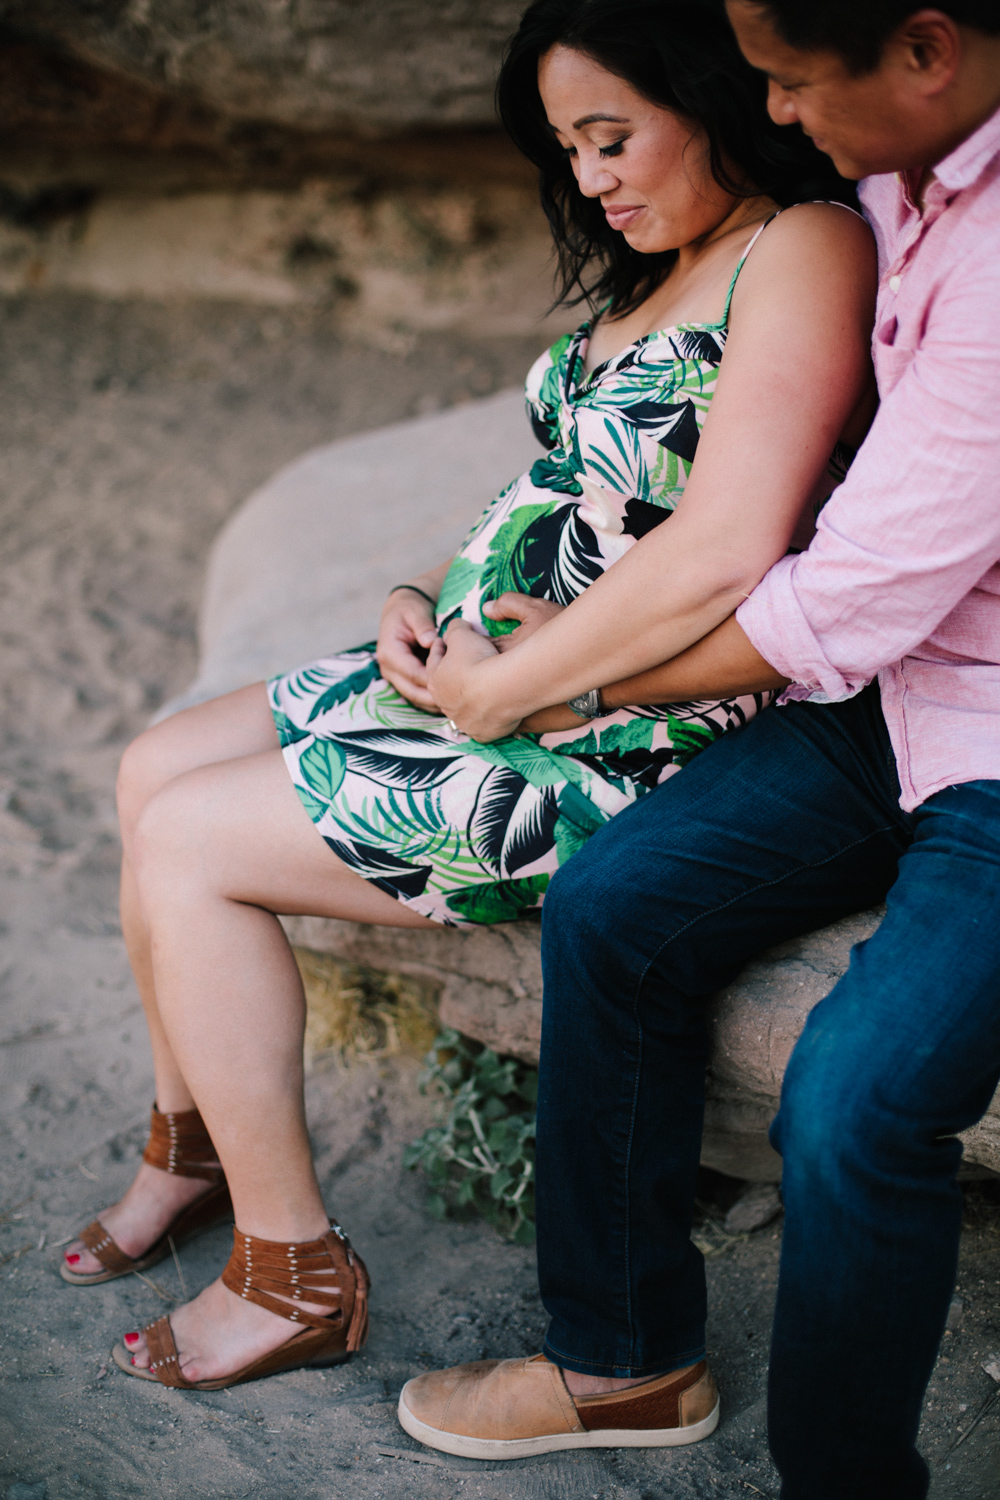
{"x":880,"y":776}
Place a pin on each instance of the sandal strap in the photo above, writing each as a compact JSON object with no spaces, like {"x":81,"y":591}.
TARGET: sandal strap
{"x":101,"y":1245}
{"x":326,"y":1271}
{"x":179,"y":1143}
{"x":163,"y":1361}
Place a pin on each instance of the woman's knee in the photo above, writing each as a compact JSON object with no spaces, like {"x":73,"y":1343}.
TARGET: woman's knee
{"x":169,"y":831}
{"x":144,"y":769}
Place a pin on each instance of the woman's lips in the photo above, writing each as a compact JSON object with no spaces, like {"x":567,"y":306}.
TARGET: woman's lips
{"x":622,"y":217}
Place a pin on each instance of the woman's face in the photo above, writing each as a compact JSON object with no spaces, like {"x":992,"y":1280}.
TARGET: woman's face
{"x":647,"y":165}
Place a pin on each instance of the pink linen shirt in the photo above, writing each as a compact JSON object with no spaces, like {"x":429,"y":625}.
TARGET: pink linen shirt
{"x":902,"y":579}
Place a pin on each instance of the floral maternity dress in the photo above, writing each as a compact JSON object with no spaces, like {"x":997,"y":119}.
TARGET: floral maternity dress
{"x":466,"y":833}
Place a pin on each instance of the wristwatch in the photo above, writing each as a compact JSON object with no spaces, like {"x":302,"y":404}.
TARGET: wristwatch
{"x":588,"y":705}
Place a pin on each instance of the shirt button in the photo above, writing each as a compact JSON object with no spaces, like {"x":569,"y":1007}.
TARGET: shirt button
{"x":895,"y":282}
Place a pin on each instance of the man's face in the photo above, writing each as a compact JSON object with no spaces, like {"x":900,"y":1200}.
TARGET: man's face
{"x":868,"y":123}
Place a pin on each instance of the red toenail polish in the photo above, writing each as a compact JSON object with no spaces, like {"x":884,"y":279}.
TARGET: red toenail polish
{"x":71,"y":1260}
{"x":131,"y":1338}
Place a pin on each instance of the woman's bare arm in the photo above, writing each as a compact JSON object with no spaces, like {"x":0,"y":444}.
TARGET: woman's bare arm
{"x":797,"y":364}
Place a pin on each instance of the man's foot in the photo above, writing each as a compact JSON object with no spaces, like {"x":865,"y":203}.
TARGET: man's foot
{"x":514,"y":1408}
{"x":220,"y":1332}
{"x":136,"y":1222}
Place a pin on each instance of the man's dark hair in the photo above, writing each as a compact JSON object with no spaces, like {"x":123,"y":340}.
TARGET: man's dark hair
{"x":857,"y":30}
{"x":681,"y":55}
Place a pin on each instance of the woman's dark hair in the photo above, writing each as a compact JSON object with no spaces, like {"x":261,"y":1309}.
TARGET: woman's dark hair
{"x":681,"y":55}
{"x":857,"y":30}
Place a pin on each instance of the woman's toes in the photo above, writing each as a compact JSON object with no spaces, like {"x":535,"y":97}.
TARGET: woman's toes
{"x":136,"y":1346}
{"x":79,"y":1259}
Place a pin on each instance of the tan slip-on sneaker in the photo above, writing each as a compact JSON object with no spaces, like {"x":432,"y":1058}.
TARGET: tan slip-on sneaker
{"x":514,"y":1408}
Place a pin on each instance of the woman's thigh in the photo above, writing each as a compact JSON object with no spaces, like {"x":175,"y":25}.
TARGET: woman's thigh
{"x":226,"y":728}
{"x":237,"y":829}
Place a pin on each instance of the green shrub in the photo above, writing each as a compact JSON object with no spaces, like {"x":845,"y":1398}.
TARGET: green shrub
{"x":481,"y":1157}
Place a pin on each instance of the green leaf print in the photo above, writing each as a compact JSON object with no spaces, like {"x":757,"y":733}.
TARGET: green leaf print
{"x":461,"y":578}
{"x":578,"y":820}
{"x":500,"y":901}
{"x":347,"y":687}
{"x":323,"y":766}
{"x":288,"y":733}
{"x":689,"y":739}
{"x":538,"y":767}
{"x":555,"y":472}
{"x":313,"y":806}
{"x":617,"y":739}
{"x":502,"y":570}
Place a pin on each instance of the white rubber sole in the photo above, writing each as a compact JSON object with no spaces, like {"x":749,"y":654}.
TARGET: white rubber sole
{"x":605,"y":1437}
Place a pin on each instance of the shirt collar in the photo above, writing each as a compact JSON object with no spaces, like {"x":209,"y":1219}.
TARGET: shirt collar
{"x":969,"y":160}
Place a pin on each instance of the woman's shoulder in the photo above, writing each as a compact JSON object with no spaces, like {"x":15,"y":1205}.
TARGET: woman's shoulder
{"x":808,"y":228}
{"x":810,"y":245}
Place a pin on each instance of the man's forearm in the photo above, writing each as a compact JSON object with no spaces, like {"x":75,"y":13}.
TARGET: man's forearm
{"x":723,"y":664}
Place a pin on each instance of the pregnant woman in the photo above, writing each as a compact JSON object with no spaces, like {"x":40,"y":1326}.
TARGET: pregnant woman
{"x":707,"y":408}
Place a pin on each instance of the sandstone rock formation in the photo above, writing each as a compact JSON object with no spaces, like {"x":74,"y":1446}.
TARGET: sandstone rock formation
{"x":313,"y":64}
{"x":491,"y":989}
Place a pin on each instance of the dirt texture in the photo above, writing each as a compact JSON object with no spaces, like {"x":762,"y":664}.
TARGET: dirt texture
{"x":129,"y":433}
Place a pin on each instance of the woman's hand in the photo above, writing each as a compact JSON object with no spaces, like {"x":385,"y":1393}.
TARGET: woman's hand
{"x":458,"y":672}
{"x":529,"y":611}
{"x":406,"y":633}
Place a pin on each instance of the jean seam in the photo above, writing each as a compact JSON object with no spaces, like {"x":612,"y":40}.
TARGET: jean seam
{"x":764,"y":885}
{"x":628,"y":1191}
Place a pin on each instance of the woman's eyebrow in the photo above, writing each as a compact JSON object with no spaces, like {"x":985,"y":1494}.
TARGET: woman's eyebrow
{"x":591,"y":119}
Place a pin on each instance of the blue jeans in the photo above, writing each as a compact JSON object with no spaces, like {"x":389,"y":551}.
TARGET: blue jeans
{"x":775,"y":830}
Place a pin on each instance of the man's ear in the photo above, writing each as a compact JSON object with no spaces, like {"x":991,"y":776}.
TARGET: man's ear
{"x":929,"y":47}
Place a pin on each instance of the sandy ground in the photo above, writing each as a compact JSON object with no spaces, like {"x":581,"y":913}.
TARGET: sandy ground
{"x":129,"y":433}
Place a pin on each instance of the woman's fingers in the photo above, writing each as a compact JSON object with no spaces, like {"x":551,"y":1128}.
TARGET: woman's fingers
{"x":453,"y":674}
{"x":528,"y":611}
{"x":510,"y":606}
{"x":436,"y":654}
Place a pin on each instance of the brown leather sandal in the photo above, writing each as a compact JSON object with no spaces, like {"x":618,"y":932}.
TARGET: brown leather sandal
{"x":179,"y":1144}
{"x":327,"y":1271}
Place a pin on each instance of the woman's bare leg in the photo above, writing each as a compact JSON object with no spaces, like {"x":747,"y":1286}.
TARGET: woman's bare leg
{"x":216,"y":853}
{"x":226,"y":728}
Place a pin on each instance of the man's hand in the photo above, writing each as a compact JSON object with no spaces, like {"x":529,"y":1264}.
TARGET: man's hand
{"x":407,"y":631}
{"x":458,"y":671}
{"x":529,"y":611}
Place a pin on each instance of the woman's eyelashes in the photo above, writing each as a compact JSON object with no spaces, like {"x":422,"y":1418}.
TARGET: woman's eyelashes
{"x":615,"y":149}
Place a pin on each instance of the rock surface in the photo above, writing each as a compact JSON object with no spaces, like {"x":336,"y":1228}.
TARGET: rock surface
{"x":491,"y":989}
{"x":315,"y":65}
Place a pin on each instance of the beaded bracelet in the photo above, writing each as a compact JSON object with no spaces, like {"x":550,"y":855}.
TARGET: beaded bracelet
{"x":414,"y":590}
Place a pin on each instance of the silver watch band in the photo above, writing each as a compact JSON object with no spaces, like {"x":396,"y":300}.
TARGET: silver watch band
{"x":588,"y":705}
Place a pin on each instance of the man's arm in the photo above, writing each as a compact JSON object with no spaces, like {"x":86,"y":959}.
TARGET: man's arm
{"x":916,"y":525}
{"x":722,"y":665}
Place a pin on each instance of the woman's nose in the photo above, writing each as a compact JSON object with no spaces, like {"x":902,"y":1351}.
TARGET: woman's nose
{"x":780,"y":105}
{"x":595,"y":177}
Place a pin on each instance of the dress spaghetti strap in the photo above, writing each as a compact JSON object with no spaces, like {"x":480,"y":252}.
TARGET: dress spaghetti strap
{"x":743,"y":257}
{"x":732,"y":285}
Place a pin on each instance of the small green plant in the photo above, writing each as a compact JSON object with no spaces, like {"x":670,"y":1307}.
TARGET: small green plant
{"x":481,"y":1157}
